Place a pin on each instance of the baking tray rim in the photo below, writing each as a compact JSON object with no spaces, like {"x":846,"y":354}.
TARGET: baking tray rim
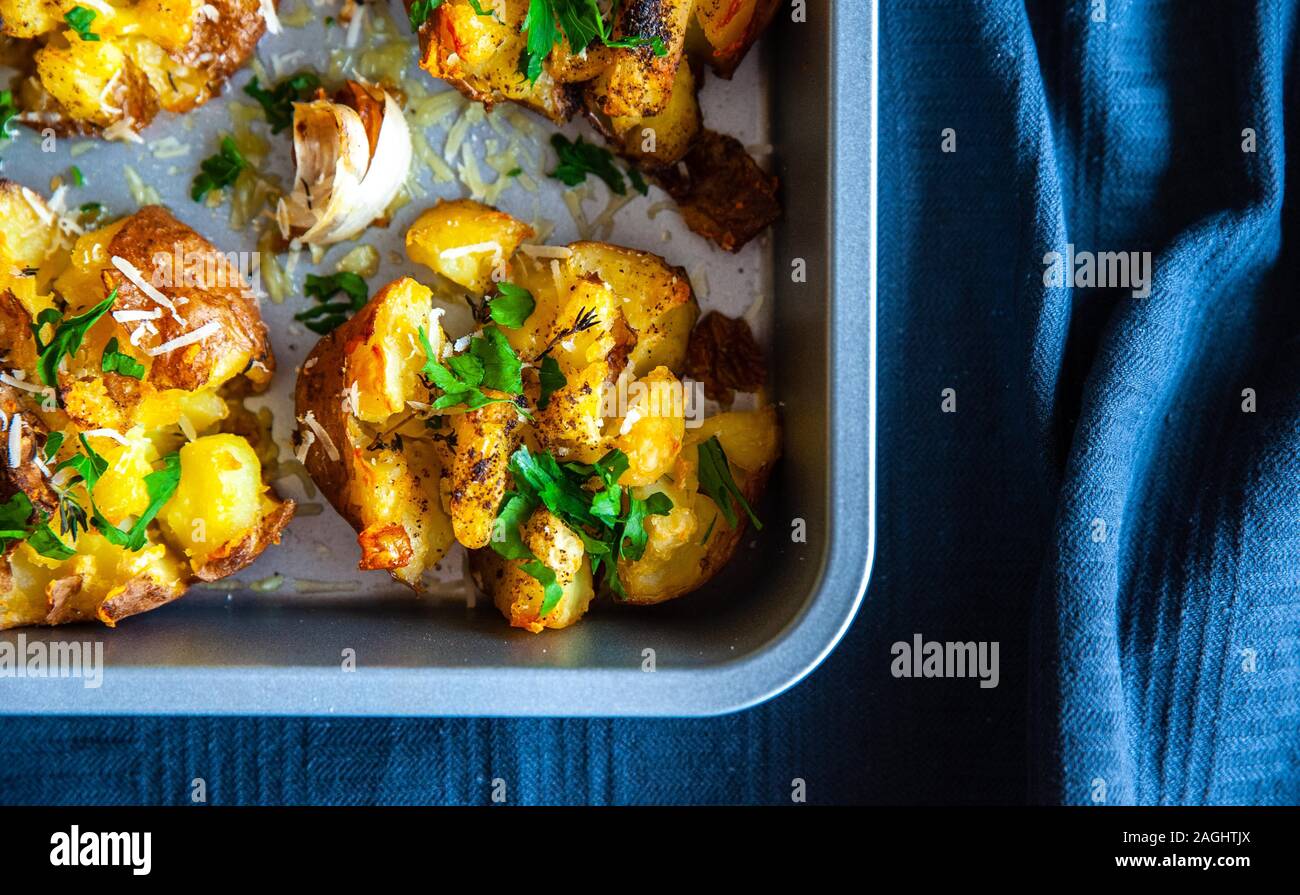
{"x":586,"y":692}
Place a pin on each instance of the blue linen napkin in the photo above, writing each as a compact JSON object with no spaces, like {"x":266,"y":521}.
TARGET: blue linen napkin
{"x":1115,"y":500}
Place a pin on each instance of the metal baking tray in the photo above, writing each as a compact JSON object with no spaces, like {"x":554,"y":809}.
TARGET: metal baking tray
{"x":754,"y":631}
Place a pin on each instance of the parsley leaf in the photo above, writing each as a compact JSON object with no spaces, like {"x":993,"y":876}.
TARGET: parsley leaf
{"x":78,"y":179}
{"x":512,"y":306}
{"x":53,"y":442}
{"x":501,"y":366}
{"x":516,"y":508}
{"x":596,"y":515}
{"x":581,"y":22}
{"x":20,"y":521}
{"x":79,"y":19}
{"x":480,"y":11}
{"x":459,"y":381}
{"x":420,"y":11}
{"x":277,"y":103}
{"x":327,"y":315}
{"x":67,"y":338}
{"x":8,"y":112}
{"x":218,"y":171}
{"x":633,"y":542}
{"x":14,"y":514}
{"x":115,"y":361}
{"x":717,"y":483}
{"x":551,"y":379}
{"x":45,"y":542}
{"x":160,"y":486}
{"x":580,"y":158}
{"x":539,"y":24}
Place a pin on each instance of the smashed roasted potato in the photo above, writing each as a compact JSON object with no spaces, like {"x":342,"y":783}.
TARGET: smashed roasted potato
{"x":121,"y":352}
{"x":635,"y":76}
{"x":109,"y":67}
{"x":557,"y":441}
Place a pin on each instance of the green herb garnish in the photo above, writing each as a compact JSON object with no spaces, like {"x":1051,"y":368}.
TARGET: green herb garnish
{"x":512,"y":306}
{"x":53,"y":442}
{"x":115,"y":361}
{"x":609,"y":519}
{"x":160,"y":485}
{"x":420,"y":12}
{"x":218,"y":171}
{"x":67,"y":338}
{"x":20,"y":521}
{"x":327,"y":315}
{"x":551,"y":379}
{"x":277,"y":103}
{"x":717,"y":483}
{"x":464,"y":376}
{"x":8,"y":112}
{"x":78,"y":179}
{"x":580,"y":158}
{"x":79,"y":19}
{"x":581,"y":22}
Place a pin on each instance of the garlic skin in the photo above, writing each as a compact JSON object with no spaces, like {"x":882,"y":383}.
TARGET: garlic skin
{"x":340,"y":186}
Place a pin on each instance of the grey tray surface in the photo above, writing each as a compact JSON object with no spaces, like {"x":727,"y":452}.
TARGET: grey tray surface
{"x":759,"y":628}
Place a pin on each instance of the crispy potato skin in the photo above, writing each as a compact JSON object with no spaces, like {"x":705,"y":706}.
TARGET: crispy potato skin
{"x":151,"y":55}
{"x":102,"y":580}
{"x":386,"y":489}
{"x":621,"y":391}
{"x":645,"y":105}
{"x":157,"y":244}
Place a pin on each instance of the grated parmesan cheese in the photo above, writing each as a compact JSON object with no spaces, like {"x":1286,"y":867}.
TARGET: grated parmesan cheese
{"x":132,"y":273}
{"x":15,"y":440}
{"x":540,"y":251}
{"x":272,"y":20}
{"x":330,"y":450}
{"x":108,"y":433}
{"x":189,"y":338}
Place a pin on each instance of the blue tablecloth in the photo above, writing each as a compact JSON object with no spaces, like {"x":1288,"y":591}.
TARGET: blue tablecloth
{"x":1115,"y":500}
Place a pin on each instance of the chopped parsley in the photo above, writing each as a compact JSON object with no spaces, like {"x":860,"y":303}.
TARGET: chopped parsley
{"x":53,"y":442}
{"x":277,"y":103}
{"x":581,"y":22}
{"x":218,"y":171}
{"x":115,"y":361}
{"x":327,"y":315}
{"x":716,"y":482}
{"x":512,"y":306}
{"x":579,"y":158}
{"x":160,"y":485}
{"x":78,"y":179}
{"x":20,"y":521}
{"x":420,"y":12}
{"x":551,"y":379}
{"x":67,"y":338}
{"x":8,"y":112}
{"x":589,"y":500}
{"x":489,"y":363}
{"x":79,"y":19}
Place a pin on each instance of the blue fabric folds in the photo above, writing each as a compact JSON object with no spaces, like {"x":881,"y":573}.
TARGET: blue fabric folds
{"x":1115,"y":500}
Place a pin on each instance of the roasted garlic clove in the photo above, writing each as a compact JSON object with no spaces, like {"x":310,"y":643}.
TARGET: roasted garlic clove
{"x":352,"y":154}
